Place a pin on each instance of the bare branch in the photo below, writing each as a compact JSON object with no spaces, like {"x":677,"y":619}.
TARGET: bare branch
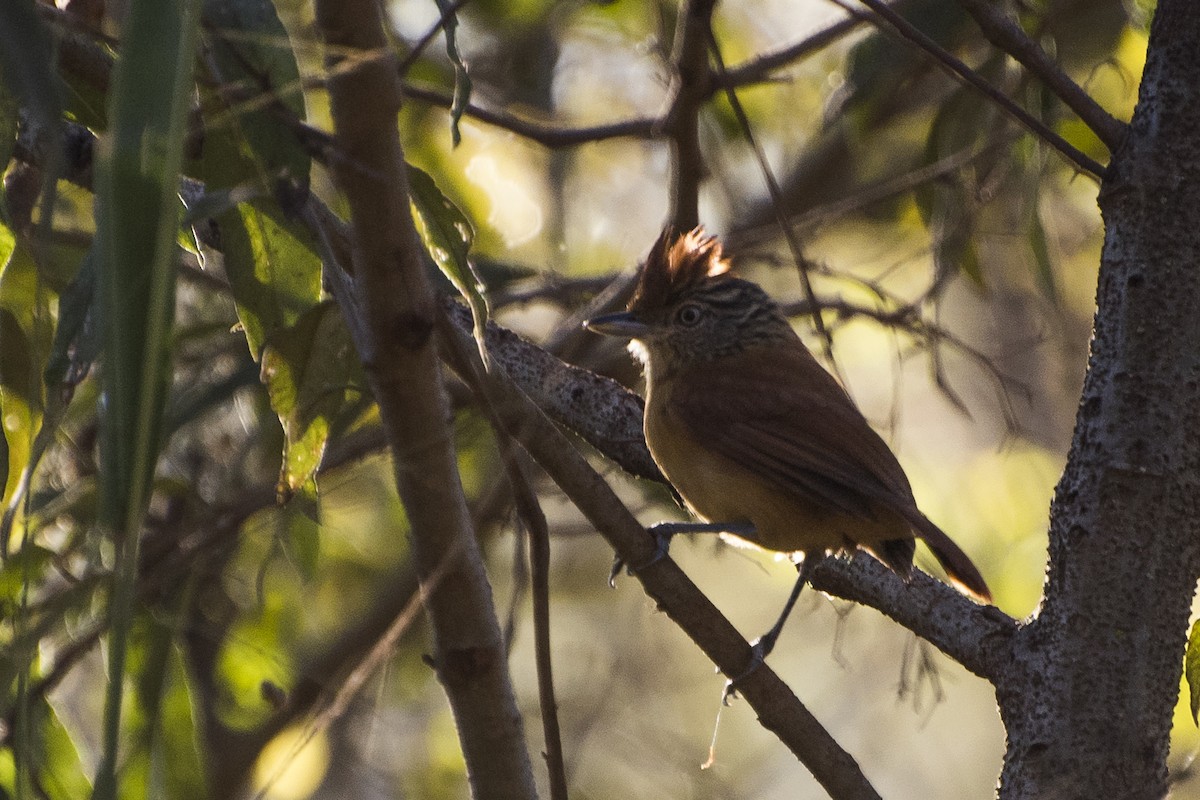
{"x":544,"y":133}
{"x":691,"y":90}
{"x":466,"y":362}
{"x":396,"y":345}
{"x":759,"y":69}
{"x":1007,"y":35}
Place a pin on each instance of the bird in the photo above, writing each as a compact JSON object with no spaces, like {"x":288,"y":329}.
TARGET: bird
{"x":756,"y":437}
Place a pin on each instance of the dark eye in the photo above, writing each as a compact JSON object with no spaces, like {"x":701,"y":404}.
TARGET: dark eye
{"x":689,"y":314}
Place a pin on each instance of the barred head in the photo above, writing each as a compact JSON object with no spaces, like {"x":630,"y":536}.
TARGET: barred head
{"x":677,"y":264}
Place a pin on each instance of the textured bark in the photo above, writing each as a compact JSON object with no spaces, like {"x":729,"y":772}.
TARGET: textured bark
{"x":1094,"y":678}
{"x":396,"y":342}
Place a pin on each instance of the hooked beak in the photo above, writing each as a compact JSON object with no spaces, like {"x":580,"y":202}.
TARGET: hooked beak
{"x":623,"y":324}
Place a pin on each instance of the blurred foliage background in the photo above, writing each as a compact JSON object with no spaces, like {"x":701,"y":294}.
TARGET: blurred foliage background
{"x":955,"y":256}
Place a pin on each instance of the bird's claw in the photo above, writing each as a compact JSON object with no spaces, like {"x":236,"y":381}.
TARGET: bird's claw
{"x":661,"y":532}
{"x":759,"y":650}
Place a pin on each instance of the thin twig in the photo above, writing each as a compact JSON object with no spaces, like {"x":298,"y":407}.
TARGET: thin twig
{"x":692,"y":80}
{"x":1007,"y":35}
{"x":956,"y":67}
{"x":544,"y":133}
{"x":760,"y":68}
{"x":803,"y":265}
{"x":466,"y":362}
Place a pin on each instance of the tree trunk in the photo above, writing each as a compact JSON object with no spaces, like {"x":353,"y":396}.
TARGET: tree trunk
{"x":1089,"y":697}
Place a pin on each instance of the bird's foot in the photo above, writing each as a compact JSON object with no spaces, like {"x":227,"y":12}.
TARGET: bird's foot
{"x":661,"y":532}
{"x":759,"y":650}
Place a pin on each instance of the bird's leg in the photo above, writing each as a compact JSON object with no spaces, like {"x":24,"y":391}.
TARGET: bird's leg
{"x":663,"y":532}
{"x":761,"y":647}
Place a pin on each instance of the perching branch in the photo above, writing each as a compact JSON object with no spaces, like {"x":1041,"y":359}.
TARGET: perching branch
{"x":908,"y":605}
{"x":778,"y":709}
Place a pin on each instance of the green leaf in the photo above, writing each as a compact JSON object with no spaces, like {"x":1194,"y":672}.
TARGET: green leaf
{"x":1043,"y":267}
{"x":25,"y":565}
{"x":308,"y":369}
{"x":1191,"y":669}
{"x":76,"y":338}
{"x":25,"y":333}
{"x":137,"y":211}
{"x":273,"y":269}
{"x":447,"y":236}
{"x":252,"y":57}
{"x":301,"y":535}
{"x":55,"y":758}
{"x":164,"y":741}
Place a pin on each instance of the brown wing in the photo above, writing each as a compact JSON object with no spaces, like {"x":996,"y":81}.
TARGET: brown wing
{"x":780,"y":414}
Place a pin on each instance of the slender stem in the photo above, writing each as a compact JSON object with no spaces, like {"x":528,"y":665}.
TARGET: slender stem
{"x":803,"y":265}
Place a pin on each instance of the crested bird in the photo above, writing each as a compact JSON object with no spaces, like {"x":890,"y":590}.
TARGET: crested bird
{"x":757,"y":438}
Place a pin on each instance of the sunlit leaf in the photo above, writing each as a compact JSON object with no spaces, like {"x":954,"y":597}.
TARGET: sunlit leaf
{"x":25,"y":333}
{"x":447,"y":236}
{"x":307,"y":370}
{"x":54,"y":754}
{"x":1191,"y":669}
{"x":164,"y":739}
{"x":21,"y":567}
{"x":272,"y":267}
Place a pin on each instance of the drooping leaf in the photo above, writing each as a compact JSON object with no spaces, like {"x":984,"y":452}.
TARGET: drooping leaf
{"x":56,"y":764}
{"x":947,"y":204}
{"x":76,"y":338}
{"x":1043,"y":267}
{"x":307,"y":370}
{"x":164,"y":740}
{"x":26,"y":328}
{"x":1191,"y":670}
{"x":447,"y":236}
{"x":273,"y":269}
{"x":252,"y":57}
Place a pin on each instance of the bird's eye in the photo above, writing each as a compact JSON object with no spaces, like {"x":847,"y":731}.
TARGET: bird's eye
{"x":689,"y":314}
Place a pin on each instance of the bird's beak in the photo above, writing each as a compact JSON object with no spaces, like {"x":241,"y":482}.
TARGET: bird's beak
{"x":622,"y":324}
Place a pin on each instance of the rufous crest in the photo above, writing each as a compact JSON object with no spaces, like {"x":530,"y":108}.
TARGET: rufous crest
{"x":678,"y":263}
